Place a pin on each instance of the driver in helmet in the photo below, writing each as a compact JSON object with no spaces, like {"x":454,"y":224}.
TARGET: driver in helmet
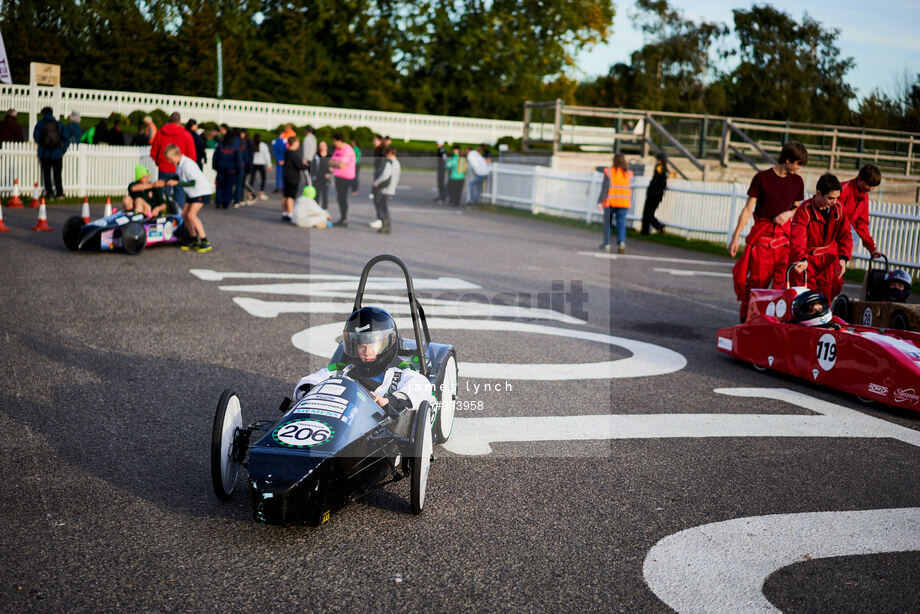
{"x":811,"y":309}
{"x":897,"y":286}
{"x":371,"y":344}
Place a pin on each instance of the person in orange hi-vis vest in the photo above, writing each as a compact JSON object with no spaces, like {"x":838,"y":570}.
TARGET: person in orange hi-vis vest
{"x":615,"y":199}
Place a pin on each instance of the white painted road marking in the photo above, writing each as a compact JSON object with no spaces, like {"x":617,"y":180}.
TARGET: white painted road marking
{"x":474,"y":436}
{"x":686,"y":273}
{"x":721,"y":567}
{"x":606,"y":256}
{"x":647,"y":359}
{"x":374,"y":283}
{"x":461,"y":309}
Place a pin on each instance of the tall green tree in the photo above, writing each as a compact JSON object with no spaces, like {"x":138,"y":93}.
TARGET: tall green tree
{"x":788,"y":69}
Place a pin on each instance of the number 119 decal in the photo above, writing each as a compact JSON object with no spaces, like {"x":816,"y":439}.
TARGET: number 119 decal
{"x":827,"y":351}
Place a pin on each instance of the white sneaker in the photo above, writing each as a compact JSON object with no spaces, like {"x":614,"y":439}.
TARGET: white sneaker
{"x":263,"y":197}
{"x":376,"y":224}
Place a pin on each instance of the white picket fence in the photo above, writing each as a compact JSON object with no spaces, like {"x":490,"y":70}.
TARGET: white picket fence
{"x":88,"y":170}
{"x":692,"y":209}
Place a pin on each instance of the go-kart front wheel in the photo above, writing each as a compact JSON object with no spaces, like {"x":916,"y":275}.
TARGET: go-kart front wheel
{"x":447,"y":387}
{"x":841,"y":307}
{"x":133,"y":238}
{"x":421,"y":458}
{"x":72,"y":229}
{"x":228,"y":420}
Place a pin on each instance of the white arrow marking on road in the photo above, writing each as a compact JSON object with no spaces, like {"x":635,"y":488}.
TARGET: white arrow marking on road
{"x":606,"y":256}
{"x":210,"y":275}
{"x":271,"y":309}
{"x":721,"y":567}
{"x":473,"y":436}
{"x":647,"y":359}
{"x":374,"y":283}
{"x":686,"y":273}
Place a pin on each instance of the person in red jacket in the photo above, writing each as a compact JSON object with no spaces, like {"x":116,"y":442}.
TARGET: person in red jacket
{"x":772,"y":198}
{"x":821,"y":240}
{"x":854,"y":199}
{"x":172,"y":133}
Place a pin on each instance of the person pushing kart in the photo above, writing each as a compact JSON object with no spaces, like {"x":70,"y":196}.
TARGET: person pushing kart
{"x":371,"y":344}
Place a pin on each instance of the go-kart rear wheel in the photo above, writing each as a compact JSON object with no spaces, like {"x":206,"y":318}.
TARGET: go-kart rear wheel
{"x":447,"y":387}
{"x":133,"y":238}
{"x":228,"y":420}
{"x":759,"y":368}
{"x":421,"y":458}
{"x":841,"y":307}
{"x":899,"y":322}
{"x":71,"y":233}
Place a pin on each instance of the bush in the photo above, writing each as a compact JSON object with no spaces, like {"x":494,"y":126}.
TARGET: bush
{"x":159,"y":116}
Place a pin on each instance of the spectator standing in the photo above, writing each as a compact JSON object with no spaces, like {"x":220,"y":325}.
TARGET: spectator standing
{"x":654,"y":194}
{"x":379,"y":157}
{"x":614,"y":200}
{"x":72,"y":131}
{"x":246,"y":154}
{"x":357,"y":148}
{"x":139,"y":138}
{"x":210,"y":138}
{"x":457,"y":167}
{"x":385,"y":189}
{"x":321,"y":174}
{"x":172,"y":133}
{"x":226,"y":162}
{"x":343,"y":170}
{"x":288,"y":131}
{"x":116,"y":137}
{"x":293,"y":172}
{"x":261,"y":160}
{"x":150,"y":129}
{"x":772,"y":198}
{"x":10,"y":130}
{"x":479,"y":170}
{"x":201,"y":155}
{"x":279,"y":146}
{"x":49,"y":135}
{"x":309,"y":146}
{"x":442,"y":173}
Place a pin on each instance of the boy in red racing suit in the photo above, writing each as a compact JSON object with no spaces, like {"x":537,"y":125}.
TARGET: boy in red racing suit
{"x":821,"y":238}
{"x":854,"y":200}
{"x":772,"y":198}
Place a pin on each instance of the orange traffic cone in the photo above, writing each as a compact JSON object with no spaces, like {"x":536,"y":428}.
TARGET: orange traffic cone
{"x":15,"y":201}
{"x":42,"y":225}
{"x":108,"y":207}
{"x":85,"y":213}
{"x":3,"y":227}
{"x":36,"y":193}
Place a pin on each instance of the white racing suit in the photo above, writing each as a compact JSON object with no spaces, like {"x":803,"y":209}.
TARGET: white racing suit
{"x":402,"y":383}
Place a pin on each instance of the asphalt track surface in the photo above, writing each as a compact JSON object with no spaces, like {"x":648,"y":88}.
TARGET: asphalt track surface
{"x":112,"y":366}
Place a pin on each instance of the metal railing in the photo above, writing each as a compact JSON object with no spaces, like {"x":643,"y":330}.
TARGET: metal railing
{"x":692,"y":209}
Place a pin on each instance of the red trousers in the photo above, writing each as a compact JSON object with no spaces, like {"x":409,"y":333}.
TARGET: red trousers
{"x":763,"y":262}
{"x":823,"y":275}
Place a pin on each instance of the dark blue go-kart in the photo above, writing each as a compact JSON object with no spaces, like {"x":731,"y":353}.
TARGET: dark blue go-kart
{"x":336,"y":444}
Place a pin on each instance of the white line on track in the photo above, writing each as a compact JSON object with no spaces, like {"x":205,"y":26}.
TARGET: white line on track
{"x":606,"y":256}
{"x":687,"y":273}
{"x":721,"y":567}
{"x":474,"y":436}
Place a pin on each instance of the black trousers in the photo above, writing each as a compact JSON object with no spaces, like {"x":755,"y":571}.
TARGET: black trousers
{"x":322,"y":193}
{"x":258,"y":169}
{"x":442,"y":182}
{"x":456,"y":191}
{"x":341,"y":193}
{"x":652,"y":200}
{"x":55,"y":166}
{"x":382,"y":205}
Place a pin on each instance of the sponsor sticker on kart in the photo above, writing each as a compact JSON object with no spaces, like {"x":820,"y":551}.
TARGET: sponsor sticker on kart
{"x":875,"y":388}
{"x":725,"y":344}
{"x":303,"y":433}
{"x":310,"y":406}
{"x":867,"y":317}
{"x":906,"y":395}
{"x":780,"y":308}
{"x":107,"y":240}
{"x":121,"y":221}
{"x":332,"y":389}
{"x":327,"y":397}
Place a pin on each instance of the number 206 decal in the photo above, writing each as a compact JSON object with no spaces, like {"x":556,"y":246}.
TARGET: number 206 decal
{"x":303,"y":433}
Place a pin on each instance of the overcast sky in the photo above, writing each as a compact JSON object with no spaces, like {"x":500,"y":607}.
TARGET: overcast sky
{"x":882,"y":36}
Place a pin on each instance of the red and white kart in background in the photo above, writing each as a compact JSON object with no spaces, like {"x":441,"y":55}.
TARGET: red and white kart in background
{"x":875,"y":364}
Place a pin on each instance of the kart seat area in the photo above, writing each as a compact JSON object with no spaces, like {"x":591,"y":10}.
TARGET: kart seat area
{"x":875,"y":285}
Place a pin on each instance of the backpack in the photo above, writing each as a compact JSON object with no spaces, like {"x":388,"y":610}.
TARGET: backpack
{"x":51,"y":135}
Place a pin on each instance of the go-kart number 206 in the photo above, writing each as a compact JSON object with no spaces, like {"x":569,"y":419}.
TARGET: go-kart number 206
{"x":303,"y":433}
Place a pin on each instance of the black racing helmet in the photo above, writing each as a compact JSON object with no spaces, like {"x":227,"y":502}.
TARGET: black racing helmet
{"x":897,"y":285}
{"x":371,"y":340}
{"x":811,"y":309}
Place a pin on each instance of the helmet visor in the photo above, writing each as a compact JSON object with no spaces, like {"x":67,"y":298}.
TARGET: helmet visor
{"x":368,"y":345}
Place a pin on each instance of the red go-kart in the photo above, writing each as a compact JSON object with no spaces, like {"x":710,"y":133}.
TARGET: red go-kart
{"x":875,"y":364}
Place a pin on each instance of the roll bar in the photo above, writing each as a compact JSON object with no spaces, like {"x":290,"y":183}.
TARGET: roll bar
{"x":419,"y":322}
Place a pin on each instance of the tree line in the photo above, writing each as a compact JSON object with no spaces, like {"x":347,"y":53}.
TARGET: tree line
{"x":478,"y":58}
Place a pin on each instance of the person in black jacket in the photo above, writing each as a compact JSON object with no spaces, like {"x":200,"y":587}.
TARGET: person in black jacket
{"x":201,"y":155}
{"x":442,"y":173}
{"x":654,"y":194}
{"x":294,"y":167}
{"x":320,"y":173}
